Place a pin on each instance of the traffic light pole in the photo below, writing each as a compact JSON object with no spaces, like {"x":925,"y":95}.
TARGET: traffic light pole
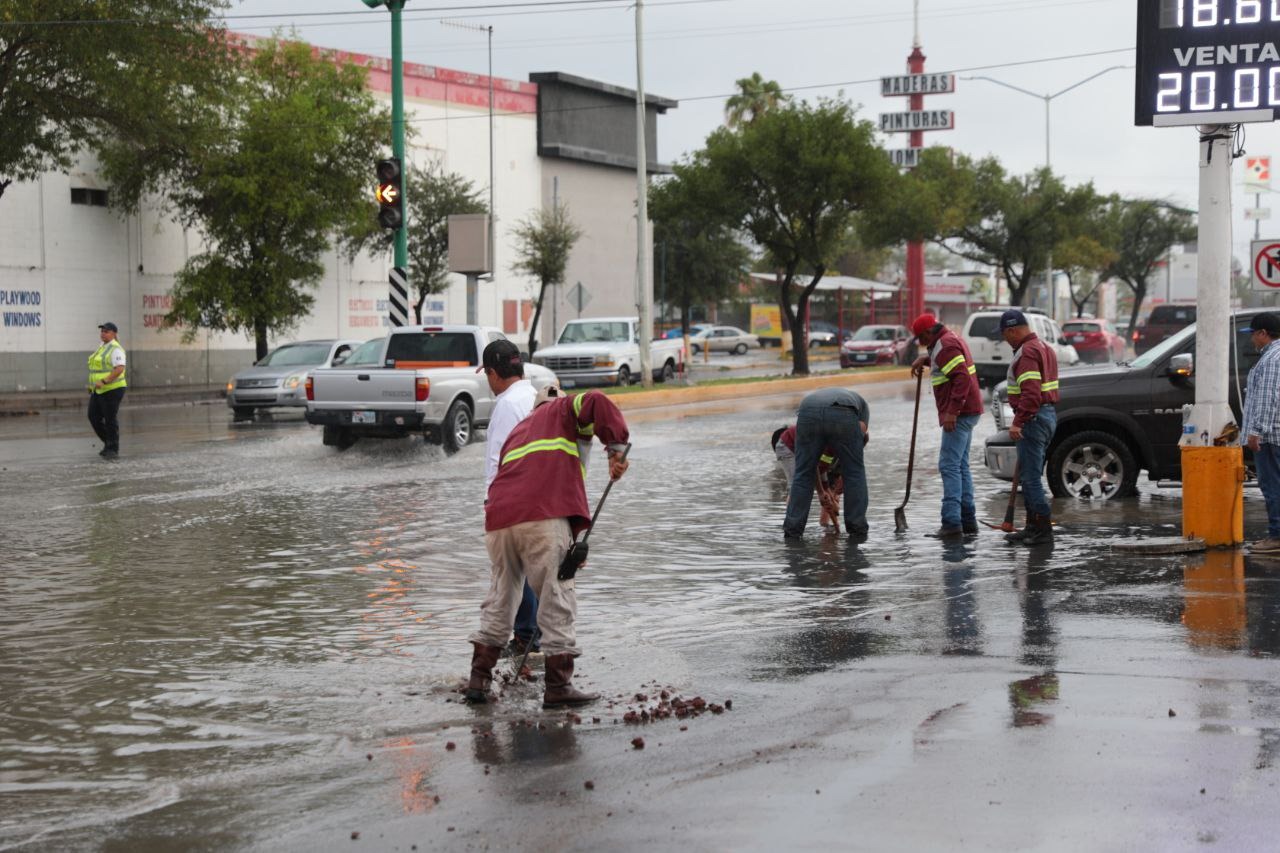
{"x":400,"y":274}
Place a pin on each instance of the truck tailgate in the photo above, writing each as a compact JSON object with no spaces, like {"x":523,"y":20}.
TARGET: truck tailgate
{"x":379,"y":389}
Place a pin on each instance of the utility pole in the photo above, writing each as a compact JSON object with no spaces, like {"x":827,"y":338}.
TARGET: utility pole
{"x":644,"y":295}
{"x":399,"y":293}
{"x":915,"y":251}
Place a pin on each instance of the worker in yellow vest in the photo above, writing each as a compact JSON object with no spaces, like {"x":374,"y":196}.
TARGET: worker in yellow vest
{"x":106,"y":389}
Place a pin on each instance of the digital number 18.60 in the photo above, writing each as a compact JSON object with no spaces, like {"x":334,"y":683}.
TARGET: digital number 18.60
{"x":1211,"y":13}
{"x":1252,"y":88}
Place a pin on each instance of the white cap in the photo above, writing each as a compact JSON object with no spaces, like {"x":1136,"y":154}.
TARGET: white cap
{"x":546,"y":394}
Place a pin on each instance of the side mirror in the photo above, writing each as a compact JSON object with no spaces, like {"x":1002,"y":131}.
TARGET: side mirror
{"x":1182,"y":366}
{"x":1063,"y":340}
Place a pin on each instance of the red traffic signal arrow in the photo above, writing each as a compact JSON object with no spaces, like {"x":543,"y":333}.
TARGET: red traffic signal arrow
{"x":387,"y":193}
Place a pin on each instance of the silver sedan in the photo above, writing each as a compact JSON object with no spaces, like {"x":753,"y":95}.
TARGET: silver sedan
{"x":723,"y":339}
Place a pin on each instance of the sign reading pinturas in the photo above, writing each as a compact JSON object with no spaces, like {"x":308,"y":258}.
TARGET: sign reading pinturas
{"x":917,"y":120}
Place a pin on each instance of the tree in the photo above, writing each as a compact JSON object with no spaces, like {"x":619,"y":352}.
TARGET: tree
{"x":435,"y":195}
{"x":706,"y":258}
{"x":73,"y":74}
{"x":754,"y":97}
{"x":1144,"y":230}
{"x":544,"y":240}
{"x":977,"y":211}
{"x":794,"y":178}
{"x":283,"y":175}
{"x":1086,"y":252}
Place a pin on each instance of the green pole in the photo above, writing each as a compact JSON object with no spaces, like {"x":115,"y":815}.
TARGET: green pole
{"x":397,"y":129}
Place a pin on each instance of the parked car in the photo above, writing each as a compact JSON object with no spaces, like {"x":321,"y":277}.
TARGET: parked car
{"x":1095,"y":340}
{"x":991,"y":355}
{"x":277,"y":380}
{"x":606,"y":351}
{"x":693,"y":330}
{"x":723,"y":339}
{"x":824,"y":334}
{"x":1117,"y":420}
{"x":424,"y":382}
{"x":1163,"y":321}
{"x":878,"y":345}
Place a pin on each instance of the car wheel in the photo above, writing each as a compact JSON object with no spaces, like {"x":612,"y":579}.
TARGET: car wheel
{"x":242,"y":413}
{"x":336,"y":436}
{"x":668,"y":371}
{"x":1093,"y":465}
{"x":624,"y":376}
{"x":456,"y":429}
{"x":740,"y":349}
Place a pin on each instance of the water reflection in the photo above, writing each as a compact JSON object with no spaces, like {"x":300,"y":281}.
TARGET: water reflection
{"x":1029,"y":698}
{"x":963,"y":628}
{"x":1214,"y":610}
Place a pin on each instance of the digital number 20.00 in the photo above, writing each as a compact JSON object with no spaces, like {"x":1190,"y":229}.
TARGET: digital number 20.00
{"x":1247,"y":91}
{"x":1210,"y":13}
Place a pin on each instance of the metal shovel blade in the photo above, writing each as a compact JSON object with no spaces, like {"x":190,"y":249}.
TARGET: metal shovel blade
{"x":900,"y":520}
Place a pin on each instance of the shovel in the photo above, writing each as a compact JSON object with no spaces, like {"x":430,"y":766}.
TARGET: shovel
{"x":900,"y":514}
{"x":1007,"y":524}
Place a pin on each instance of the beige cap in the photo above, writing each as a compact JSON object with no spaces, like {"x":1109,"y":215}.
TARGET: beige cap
{"x":547,"y":393}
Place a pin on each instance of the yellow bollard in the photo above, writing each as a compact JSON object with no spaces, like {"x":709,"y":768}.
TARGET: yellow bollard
{"x":1213,"y":494}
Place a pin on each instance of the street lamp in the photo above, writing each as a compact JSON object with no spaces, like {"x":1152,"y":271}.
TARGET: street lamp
{"x":1048,"y":99}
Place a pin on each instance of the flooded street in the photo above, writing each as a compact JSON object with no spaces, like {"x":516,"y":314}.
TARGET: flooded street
{"x":235,"y":638}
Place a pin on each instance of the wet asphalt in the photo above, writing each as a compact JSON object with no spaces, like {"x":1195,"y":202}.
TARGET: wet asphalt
{"x":234,"y":638}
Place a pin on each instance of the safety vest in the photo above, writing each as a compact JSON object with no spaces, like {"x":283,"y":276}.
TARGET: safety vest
{"x":100,"y":368}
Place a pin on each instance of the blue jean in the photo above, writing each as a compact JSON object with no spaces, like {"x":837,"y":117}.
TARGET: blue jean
{"x":840,"y":429}
{"x":527,"y":615}
{"x":1036,"y":436}
{"x":1267,"y":461}
{"x":957,"y":479}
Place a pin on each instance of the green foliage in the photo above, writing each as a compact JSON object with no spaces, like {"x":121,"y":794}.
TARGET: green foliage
{"x":794,"y":178}
{"x":434,"y":195}
{"x":979,"y":212}
{"x":544,"y":240}
{"x":1142,"y":233}
{"x":106,"y":69}
{"x":277,"y":173}
{"x":696,"y":249}
{"x":755,"y":96}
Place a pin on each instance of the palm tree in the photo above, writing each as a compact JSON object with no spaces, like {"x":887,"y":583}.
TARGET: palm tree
{"x":755,"y":96}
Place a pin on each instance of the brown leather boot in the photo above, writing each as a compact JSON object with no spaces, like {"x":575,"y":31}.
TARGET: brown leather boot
{"x":482,"y":663}
{"x":560,"y":693}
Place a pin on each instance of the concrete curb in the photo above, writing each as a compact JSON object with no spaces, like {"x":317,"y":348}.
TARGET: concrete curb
{"x":784,"y":385}
{"x":35,"y":402}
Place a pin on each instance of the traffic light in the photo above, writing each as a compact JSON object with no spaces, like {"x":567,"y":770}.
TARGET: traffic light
{"x":390,"y":194}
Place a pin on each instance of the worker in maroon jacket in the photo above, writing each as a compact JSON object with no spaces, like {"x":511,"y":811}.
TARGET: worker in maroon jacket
{"x":537,"y":505}
{"x":959,"y":401}
{"x":1033,"y":393}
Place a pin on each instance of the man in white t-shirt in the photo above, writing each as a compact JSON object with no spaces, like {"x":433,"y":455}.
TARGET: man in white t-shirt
{"x":514,"y":397}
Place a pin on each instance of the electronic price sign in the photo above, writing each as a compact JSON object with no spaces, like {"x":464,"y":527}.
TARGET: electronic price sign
{"x":1207,"y":62}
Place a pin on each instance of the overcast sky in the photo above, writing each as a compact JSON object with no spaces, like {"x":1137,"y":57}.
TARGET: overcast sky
{"x":695,"y":49}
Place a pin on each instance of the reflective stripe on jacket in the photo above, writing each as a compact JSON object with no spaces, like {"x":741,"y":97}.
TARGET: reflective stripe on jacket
{"x":954,"y":376}
{"x":1033,"y":379}
{"x":100,"y":368}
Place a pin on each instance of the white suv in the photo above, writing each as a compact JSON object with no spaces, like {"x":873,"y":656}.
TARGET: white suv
{"x":992,"y":355}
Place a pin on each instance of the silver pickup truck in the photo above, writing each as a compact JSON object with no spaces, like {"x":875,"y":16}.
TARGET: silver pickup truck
{"x":426,"y":382}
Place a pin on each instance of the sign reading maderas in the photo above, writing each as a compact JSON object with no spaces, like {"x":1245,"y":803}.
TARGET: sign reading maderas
{"x":917,"y":120}
{"x":917,"y":84}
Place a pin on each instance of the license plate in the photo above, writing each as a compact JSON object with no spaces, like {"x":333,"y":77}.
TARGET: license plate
{"x":364,"y":417}
{"x":1077,"y":338}
{"x":862,"y":357}
{"x":566,"y":383}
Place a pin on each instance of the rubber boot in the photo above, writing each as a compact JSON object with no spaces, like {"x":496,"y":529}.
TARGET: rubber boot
{"x":949,"y":531}
{"x":560,"y":693}
{"x":482,"y":663}
{"x":1016,"y":537}
{"x":1039,"y":531}
{"x":969,"y":525}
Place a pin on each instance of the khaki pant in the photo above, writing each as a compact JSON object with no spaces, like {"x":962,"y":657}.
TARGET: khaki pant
{"x":532,"y":550}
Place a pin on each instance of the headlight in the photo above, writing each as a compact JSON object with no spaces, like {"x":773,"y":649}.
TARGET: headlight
{"x":231,"y":385}
{"x":604,"y":361}
{"x":292,"y":382}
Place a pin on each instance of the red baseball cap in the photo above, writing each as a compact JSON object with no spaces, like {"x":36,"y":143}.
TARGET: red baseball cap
{"x":923,"y":323}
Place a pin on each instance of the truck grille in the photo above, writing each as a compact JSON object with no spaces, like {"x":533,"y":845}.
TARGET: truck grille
{"x":257,"y":383}
{"x":569,"y":362}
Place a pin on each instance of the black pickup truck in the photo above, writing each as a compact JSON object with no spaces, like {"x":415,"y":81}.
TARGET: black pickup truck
{"x":1117,"y":420}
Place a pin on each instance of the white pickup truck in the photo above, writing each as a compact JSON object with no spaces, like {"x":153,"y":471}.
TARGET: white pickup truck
{"x":426,"y":382}
{"x":606,"y":351}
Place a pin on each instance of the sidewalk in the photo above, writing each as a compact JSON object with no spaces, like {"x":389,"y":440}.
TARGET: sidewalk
{"x":35,"y":402}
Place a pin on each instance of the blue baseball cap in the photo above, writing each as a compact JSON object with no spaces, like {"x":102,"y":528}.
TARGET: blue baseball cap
{"x":1012,"y":317}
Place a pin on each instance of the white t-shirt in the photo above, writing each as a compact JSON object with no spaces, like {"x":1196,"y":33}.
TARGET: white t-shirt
{"x":511,"y":407}
{"x":117,"y":357}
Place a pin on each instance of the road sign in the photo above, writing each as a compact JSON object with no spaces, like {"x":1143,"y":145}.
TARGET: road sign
{"x":917,"y":84}
{"x":917,"y":120}
{"x":399,"y":304}
{"x":578,"y":297}
{"x":1257,"y":174}
{"x":1266,"y":265}
{"x":1256,"y":214}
